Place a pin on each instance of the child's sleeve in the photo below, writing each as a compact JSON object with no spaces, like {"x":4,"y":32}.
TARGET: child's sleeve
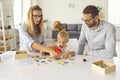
{"x":68,"y":48}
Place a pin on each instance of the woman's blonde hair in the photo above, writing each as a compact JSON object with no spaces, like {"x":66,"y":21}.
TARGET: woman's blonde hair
{"x":63,"y":34}
{"x":30,"y":22}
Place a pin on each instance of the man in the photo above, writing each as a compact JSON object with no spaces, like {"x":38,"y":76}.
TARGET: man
{"x":98,"y":34}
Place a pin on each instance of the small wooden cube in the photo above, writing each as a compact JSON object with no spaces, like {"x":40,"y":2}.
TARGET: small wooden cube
{"x":103,"y":66}
{"x":21,"y":54}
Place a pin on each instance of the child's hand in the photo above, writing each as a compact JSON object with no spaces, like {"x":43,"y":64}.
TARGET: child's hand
{"x":57,"y":57}
{"x":66,"y":55}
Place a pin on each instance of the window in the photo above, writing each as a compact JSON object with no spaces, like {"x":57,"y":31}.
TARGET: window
{"x":17,"y":12}
{"x":20,"y":11}
{"x":114,"y":12}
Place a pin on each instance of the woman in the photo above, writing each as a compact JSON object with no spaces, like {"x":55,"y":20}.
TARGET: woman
{"x":32,"y":36}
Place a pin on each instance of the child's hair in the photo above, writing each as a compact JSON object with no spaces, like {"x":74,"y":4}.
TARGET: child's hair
{"x":63,"y":34}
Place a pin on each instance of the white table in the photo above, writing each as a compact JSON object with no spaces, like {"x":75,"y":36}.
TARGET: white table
{"x":11,"y":69}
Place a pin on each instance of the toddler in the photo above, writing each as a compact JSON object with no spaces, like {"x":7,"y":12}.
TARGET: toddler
{"x":62,"y":40}
{"x":62,"y":49}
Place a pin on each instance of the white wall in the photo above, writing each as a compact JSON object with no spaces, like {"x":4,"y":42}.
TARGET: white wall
{"x":118,"y":33}
{"x":59,"y":9}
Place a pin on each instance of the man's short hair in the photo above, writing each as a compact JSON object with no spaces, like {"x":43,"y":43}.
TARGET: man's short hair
{"x":90,"y":9}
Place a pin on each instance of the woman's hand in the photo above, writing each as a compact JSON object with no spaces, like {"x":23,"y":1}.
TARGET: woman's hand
{"x":35,"y":50}
{"x":52,"y":53}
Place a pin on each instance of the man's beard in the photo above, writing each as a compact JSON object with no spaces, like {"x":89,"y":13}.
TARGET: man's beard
{"x":92,"y":25}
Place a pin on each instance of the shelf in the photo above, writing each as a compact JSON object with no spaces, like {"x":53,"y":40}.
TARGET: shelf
{"x":12,"y":49}
{"x":1,"y":41}
{"x":1,"y":30}
{"x":7,"y":40}
{"x":3,"y":49}
{"x":7,"y":33}
{"x":6,"y":30}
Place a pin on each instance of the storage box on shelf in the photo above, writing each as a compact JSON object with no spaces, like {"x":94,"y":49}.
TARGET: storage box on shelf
{"x":7,"y":34}
{"x":2,"y":47}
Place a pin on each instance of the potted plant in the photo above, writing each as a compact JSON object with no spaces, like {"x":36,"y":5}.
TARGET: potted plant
{"x":45,"y":20}
{"x":101,"y":15}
